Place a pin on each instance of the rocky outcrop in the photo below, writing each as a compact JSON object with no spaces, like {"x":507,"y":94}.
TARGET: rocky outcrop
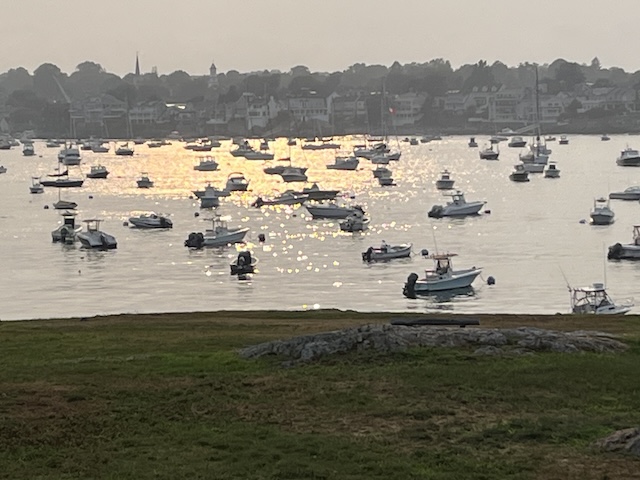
{"x":624,"y":441}
{"x":391,"y":338}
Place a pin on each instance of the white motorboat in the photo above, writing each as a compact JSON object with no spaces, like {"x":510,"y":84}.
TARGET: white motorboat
{"x":631,"y":193}
{"x":36,"y":186}
{"x":243,"y":149}
{"x":207,"y":165}
{"x":381,"y":171}
{"x":344,"y":163}
{"x":67,"y":232}
{"x":236,"y":183}
{"x":489,"y":153}
{"x":533,"y":167}
{"x":52,"y":143}
{"x":287,"y":198}
{"x":329,"y":210}
{"x":519,"y":174}
{"x":293,"y":174}
{"x":517,"y":142}
{"x":605,"y":137}
{"x":144,"y":181}
{"x":355,"y":222}
{"x":314,"y":193}
{"x":368,"y":153}
{"x":552,"y":171}
{"x":441,"y":278}
{"x":219,"y":235}
{"x":254,"y":155}
{"x":601,"y":214}
{"x":94,"y":238}
{"x":28,"y":150}
{"x":387,"y":252}
{"x":445,"y":182}
{"x":124,"y":150}
{"x":563,"y":140}
{"x":457,"y":207}
{"x":549,"y":138}
{"x":70,"y":156}
{"x":629,"y":251}
{"x":595,"y":300}
{"x":210,"y":198}
{"x":98,"y":171}
{"x":629,"y":157}
{"x":244,"y":264}
{"x":151,"y":220}
{"x":99,"y":147}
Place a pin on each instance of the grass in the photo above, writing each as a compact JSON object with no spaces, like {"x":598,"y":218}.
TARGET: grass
{"x":167,"y":396}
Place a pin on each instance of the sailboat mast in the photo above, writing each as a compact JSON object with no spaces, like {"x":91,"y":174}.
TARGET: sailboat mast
{"x":537,"y":107}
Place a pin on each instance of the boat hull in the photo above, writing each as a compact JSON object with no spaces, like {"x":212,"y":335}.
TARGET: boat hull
{"x":391,"y":253}
{"x":624,"y":252}
{"x":457,"y":280}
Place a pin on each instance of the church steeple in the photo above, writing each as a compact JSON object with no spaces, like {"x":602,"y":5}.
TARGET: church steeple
{"x":213,"y":76}
{"x":137,"y":66}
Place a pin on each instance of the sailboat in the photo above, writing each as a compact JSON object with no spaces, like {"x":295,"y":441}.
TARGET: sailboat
{"x":64,"y":204}
{"x":539,"y":153}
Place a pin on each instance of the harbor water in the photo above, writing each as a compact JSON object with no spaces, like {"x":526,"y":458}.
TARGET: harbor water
{"x":530,"y":236}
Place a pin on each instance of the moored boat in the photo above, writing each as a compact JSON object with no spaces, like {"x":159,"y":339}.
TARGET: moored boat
{"x":601,"y":214}
{"x":595,"y":300}
{"x":445,"y":182}
{"x":386,"y":252}
{"x":457,"y":207}
{"x":94,"y":238}
{"x":628,"y":251}
{"x":219,"y":235}
{"x":441,"y":278}
{"x":151,"y":220}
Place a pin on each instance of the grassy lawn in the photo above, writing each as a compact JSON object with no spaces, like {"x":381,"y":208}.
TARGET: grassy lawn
{"x":167,"y":396}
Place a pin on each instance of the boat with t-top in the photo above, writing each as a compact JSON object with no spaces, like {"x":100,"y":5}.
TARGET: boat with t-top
{"x":219,"y":235}
{"x":441,"y":278}
{"x":457,"y":207}
{"x":595,"y":300}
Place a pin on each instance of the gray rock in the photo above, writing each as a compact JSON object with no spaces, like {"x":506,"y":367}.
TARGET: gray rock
{"x":391,"y":338}
{"x":625,"y":441}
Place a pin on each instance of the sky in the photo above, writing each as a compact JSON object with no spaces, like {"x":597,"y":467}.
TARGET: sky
{"x":324,"y":35}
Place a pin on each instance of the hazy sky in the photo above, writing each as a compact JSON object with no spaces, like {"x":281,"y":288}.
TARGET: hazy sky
{"x":325,"y":35}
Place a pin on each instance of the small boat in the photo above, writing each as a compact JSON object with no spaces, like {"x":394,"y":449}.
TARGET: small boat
{"x":629,"y":157}
{"x":601,"y":214}
{"x":244,"y":264}
{"x":207,"y":165}
{"x":534,"y":167}
{"x":329,"y":210}
{"x":519,"y":174}
{"x":386,"y":181}
{"x":472,"y":142}
{"x":287,"y":198}
{"x":144,"y":181}
{"x":236,"y":183}
{"x":497,"y":139}
{"x":517,"y":142}
{"x":219,"y":235}
{"x":549,"y":138}
{"x":552,"y":171}
{"x":457,"y":207}
{"x":355,"y":222}
{"x":67,"y":232}
{"x":28,"y":150}
{"x":210,"y":198}
{"x":441,"y":278}
{"x":253,"y":155}
{"x":631,"y":193}
{"x":94,"y":238}
{"x":629,"y":251}
{"x":52,"y":143}
{"x":595,"y":300}
{"x":314,"y":193}
{"x":413,"y":141}
{"x":293,"y":174}
{"x":70,"y":156}
{"x":125,"y":151}
{"x":65,"y":205}
{"x":344,"y":163}
{"x":291,"y":142}
{"x":218,"y":193}
{"x":98,"y":147}
{"x":138,"y":141}
{"x":98,"y":171}
{"x":381,"y":172}
{"x":445,"y":182}
{"x":63,"y":182}
{"x":36,"y":186}
{"x":387,"y":252}
{"x":242,"y":150}
{"x":3,"y":169}
{"x":563,"y":140}
{"x":368,"y":153}
{"x":605,"y":137}
{"x":489,"y":153}
{"x":151,"y":220}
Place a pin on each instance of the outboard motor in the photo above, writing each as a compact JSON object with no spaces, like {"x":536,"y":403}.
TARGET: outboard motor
{"x":366,"y":256}
{"x":615,"y":252}
{"x":243,"y":264}
{"x":436,"y":211}
{"x":195,"y":240}
{"x":409,"y":289}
